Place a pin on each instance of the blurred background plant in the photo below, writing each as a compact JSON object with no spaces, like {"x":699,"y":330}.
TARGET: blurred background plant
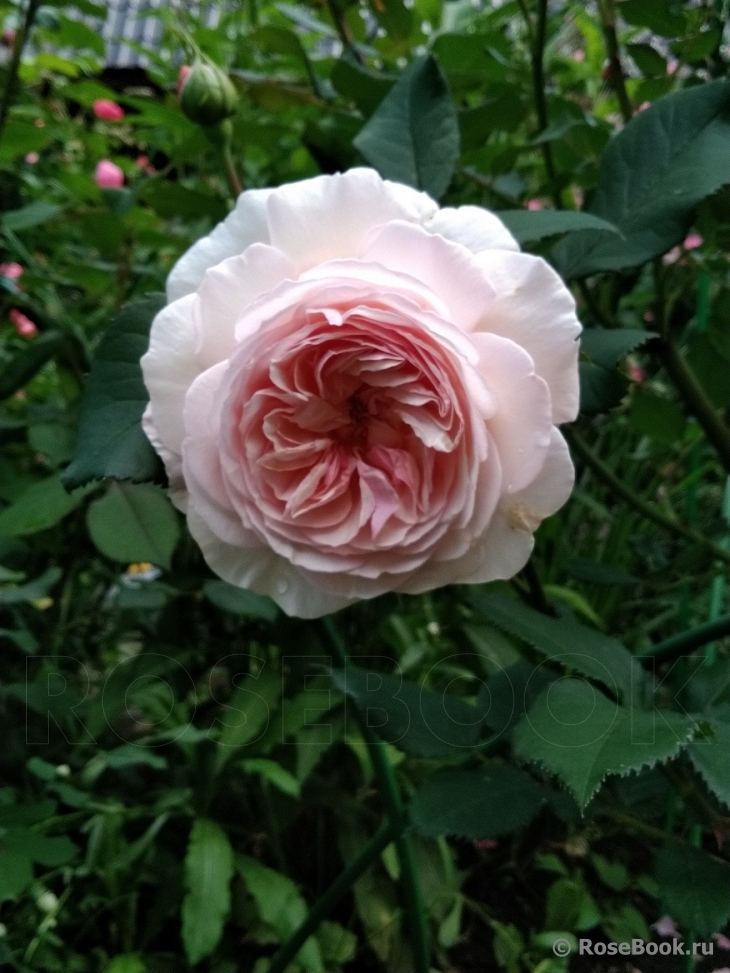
{"x":180,"y":776}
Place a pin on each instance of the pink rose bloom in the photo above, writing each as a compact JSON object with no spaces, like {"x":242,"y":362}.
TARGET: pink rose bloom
{"x":31,"y":158}
{"x":108,"y":176}
{"x":23,"y":324}
{"x":693,"y":241}
{"x":354,"y":392}
{"x":108,"y":111}
{"x":12,"y":271}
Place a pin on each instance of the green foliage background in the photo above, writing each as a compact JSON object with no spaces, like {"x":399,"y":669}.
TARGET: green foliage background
{"x":182,"y":769}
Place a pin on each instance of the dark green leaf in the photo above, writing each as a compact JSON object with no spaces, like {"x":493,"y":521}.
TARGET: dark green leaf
{"x":694,"y":888}
{"x":658,"y":15}
{"x":25,"y":364}
{"x":648,"y":60}
{"x":528,"y":225}
{"x":134,"y":522}
{"x":110,"y":440}
{"x":413,"y":136}
{"x":40,"y":506}
{"x":607,"y":347}
{"x":711,"y":758}
{"x":31,"y":590}
{"x":409,"y":716}
{"x":573,"y":646}
{"x":208,"y":874}
{"x":658,"y":417}
{"x":29,"y":216}
{"x":247,"y":715}
{"x":358,"y":84}
{"x":575,"y":732}
{"x":476,"y":804}
{"x":653,"y":174}
{"x":238,"y":601}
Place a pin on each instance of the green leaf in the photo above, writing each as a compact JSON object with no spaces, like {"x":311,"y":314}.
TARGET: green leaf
{"x":476,"y":804}
{"x":281,"y":906}
{"x":208,"y":874}
{"x":29,"y":216}
{"x":250,"y":707}
{"x":409,"y":716}
{"x":273,"y":772}
{"x":658,"y":15}
{"x":126,"y":963}
{"x":652,"y":176}
{"x":527,"y":225}
{"x":238,"y":601}
{"x":648,"y":60}
{"x":23,"y":366}
{"x":31,"y":590}
{"x":413,"y":136}
{"x":653,"y":415}
{"x":578,"y":734}
{"x":694,"y":888}
{"x":39,"y":848}
{"x":134,"y":522}
{"x":16,"y":871}
{"x":711,"y":759}
{"x":356,"y":83}
{"x":575,"y":647}
{"x":110,"y":440}
{"x":606,"y":347}
{"x":40,"y":506}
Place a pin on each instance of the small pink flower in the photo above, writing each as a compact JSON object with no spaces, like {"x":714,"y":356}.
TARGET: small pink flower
{"x":23,"y":324}
{"x":11,"y":271}
{"x":643,"y":106}
{"x":693,"y":241}
{"x":666,"y":926}
{"x":672,"y":66}
{"x":535,"y":204}
{"x":143,"y":163}
{"x":722,"y":941}
{"x":108,"y":176}
{"x":673,"y":256}
{"x":31,"y":158}
{"x":636,"y":373}
{"x":579,"y":55}
{"x":108,"y":111}
{"x":182,"y":77}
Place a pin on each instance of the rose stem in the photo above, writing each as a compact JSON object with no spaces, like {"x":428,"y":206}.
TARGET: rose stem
{"x":326,"y":902}
{"x":607,"y":11}
{"x":686,"y":642}
{"x":537,"y":40}
{"x":20,"y":41}
{"x":395,"y":809}
{"x":579,"y":446}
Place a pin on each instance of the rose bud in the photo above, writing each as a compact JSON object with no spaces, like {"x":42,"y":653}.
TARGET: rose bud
{"x":182,"y":76}
{"x":23,"y":324}
{"x":208,"y":96}
{"x":355,"y":392}
{"x":31,"y":158}
{"x":11,"y":271}
{"x":108,"y":176}
{"x":108,"y":111}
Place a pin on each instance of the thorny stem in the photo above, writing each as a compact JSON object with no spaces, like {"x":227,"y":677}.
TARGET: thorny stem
{"x":683,"y":643}
{"x":12,"y":76}
{"x":648,"y":510}
{"x":413,"y":896}
{"x":607,"y":10}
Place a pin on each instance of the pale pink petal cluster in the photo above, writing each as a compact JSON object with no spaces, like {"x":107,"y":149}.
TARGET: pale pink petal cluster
{"x":108,"y":111}
{"x":356,"y":392}
{"x":107,"y":175}
{"x":22,"y":323}
{"x":11,"y":271}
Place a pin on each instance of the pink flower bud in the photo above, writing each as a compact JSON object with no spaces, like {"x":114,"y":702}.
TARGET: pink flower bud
{"x":108,"y":111}
{"x":579,"y":55}
{"x":637,"y":373}
{"x":182,"y":77}
{"x":31,"y":158}
{"x":535,"y":204}
{"x":108,"y":176}
{"x":11,"y":271}
{"x":23,"y":324}
{"x":693,"y":241}
{"x":643,"y":106}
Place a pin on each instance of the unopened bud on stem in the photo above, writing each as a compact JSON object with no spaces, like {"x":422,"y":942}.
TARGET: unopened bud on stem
{"x":207,"y":95}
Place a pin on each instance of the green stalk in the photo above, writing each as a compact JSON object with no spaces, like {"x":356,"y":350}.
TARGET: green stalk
{"x":685,"y":642}
{"x":538,"y":81}
{"x":607,"y":10}
{"x":694,"y":397}
{"x":676,"y":527}
{"x":12,"y":77}
{"x":414,"y":905}
{"x":326,"y":902}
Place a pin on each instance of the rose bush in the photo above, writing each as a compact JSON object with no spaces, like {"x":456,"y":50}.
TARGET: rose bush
{"x":354,"y":391}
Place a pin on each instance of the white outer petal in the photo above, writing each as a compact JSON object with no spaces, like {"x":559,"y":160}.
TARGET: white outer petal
{"x":475,"y":228}
{"x":535,"y":309}
{"x":244,"y":225}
